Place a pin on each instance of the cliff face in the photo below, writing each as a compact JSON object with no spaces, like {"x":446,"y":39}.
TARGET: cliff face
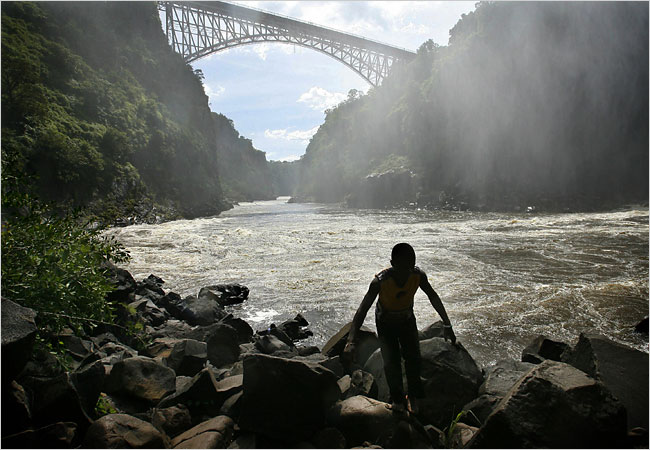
{"x":97,"y":111}
{"x":245,"y":172}
{"x":530,"y":104}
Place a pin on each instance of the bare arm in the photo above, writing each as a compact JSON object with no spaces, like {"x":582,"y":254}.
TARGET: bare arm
{"x":362,"y":311}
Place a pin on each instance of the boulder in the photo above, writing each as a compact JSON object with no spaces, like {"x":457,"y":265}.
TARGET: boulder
{"x":223,"y":345}
{"x":173,"y":329}
{"x":149,"y":312}
{"x":16,"y":410}
{"x":214,"y":433}
{"x":172,"y":420}
{"x":56,"y":400}
{"x":151,"y":284}
{"x":56,"y":435}
{"x":176,"y":307}
{"x":244,"y":330}
{"x":642,"y":326}
{"x":451,"y":378}
{"x":142,"y":378}
{"x":461,"y":435}
{"x":367,"y":343}
{"x":450,"y":375}
{"x":41,"y":364}
{"x":436,"y":329}
{"x":123,"y":283}
{"x":204,"y":395}
{"x":187,"y":357}
{"x":361,"y":419}
{"x":122,"y":431}
{"x":202,"y":311}
{"x":500,"y":377}
{"x":296,"y":328}
{"x":622,"y":369}
{"x":278,"y":333}
{"x":480,"y":408}
{"x":160,"y":348}
{"x":225,"y":294}
{"x":284,"y":398}
{"x":308,"y":351}
{"x":542,"y":348}
{"x":232,"y":406}
{"x":89,"y":383}
{"x":18,"y":335}
{"x":76,"y":348}
{"x":554,"y":405}
{"x":359,"y":383}
{"x":269,"y":344}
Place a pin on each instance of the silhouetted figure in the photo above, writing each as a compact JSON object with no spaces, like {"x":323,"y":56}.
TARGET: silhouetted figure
{"x":396,"y":327}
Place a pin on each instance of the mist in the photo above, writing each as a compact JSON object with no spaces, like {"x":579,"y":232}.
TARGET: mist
{"x":532,"y":103}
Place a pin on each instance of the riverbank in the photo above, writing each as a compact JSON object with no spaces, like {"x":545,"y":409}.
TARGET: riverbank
{"x":195,"y":376}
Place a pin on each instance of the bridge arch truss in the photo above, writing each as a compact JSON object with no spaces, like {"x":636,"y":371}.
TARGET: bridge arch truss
{"x":197,"y":29}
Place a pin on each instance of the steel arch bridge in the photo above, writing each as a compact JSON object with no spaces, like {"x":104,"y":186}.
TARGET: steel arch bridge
{"x":197,"y":29}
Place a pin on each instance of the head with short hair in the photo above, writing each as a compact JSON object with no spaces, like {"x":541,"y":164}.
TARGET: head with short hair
{"x":402,"y":256}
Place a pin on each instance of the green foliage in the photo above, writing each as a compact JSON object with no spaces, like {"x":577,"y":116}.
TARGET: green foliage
{"x":54,"y":265}
{"x":97,"y":111}
{"x":104,"y":406}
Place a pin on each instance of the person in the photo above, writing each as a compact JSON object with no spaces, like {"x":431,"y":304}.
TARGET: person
{"x":396,"y":325}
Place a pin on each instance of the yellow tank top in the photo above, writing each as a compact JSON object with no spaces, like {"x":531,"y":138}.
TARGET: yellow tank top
{"x":395,"y":298}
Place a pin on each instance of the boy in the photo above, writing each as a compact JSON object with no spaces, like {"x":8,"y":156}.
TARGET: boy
{"x":396,"y":327}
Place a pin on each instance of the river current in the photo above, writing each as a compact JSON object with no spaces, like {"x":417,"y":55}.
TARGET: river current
{"x":503,"y":278}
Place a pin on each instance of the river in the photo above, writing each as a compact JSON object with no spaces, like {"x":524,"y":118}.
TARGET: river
{"x":503,"y":278}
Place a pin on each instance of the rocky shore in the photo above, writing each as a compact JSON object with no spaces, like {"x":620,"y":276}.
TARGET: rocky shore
{"x":178,"y":372}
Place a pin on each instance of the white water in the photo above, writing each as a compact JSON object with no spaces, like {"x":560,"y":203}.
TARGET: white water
{"x":504,"y":278}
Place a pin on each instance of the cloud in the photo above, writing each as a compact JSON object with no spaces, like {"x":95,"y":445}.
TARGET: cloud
{"x":320,"y":99}
{"x":290,"y":158}
{"x":213,"y":92}
{"x":297,"y":135}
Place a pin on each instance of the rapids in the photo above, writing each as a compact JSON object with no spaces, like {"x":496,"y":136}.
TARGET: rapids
{"x":503,"y":278}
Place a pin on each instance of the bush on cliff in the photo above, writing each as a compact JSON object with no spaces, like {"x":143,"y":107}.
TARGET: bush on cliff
{"x":53,"y":264}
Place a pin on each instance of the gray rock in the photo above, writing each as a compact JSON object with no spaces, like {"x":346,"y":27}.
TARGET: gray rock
{"x":122,"y":431}
{"x":359,"y":383}
{"x":214,"y":433}
{"x":500,"y":377}
{"x":187,"y":357}
{"x":225,"y":294}
{"x":202,"y":311}
{"x":622,"y":369}
{"x":142,"y":378}
{"x":56,"y":400}
{"x":555,"y":405}
{"x":16,"y":410}
{"x":18,"y":335}
{"x":204,"y":395}
{"x":436,"y":329}
{"x":480,"y":409}
{"x":367,"y":343}
{"x":298,"y":394}
{"x":361,"y":419}
{"x":450,"y":375}
{"x":56,"y":435}
{"x":270,"y":344}
{"x":173,"y":420}
{"x":223,"y":345}
{"x":89,"y":383}
{"x":542,"y":348}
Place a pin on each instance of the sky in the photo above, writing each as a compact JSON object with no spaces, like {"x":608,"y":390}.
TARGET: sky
{"x":276,"y":94}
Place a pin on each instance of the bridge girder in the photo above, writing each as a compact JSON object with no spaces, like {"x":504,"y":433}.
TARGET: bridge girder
{"x":197,"y":29}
